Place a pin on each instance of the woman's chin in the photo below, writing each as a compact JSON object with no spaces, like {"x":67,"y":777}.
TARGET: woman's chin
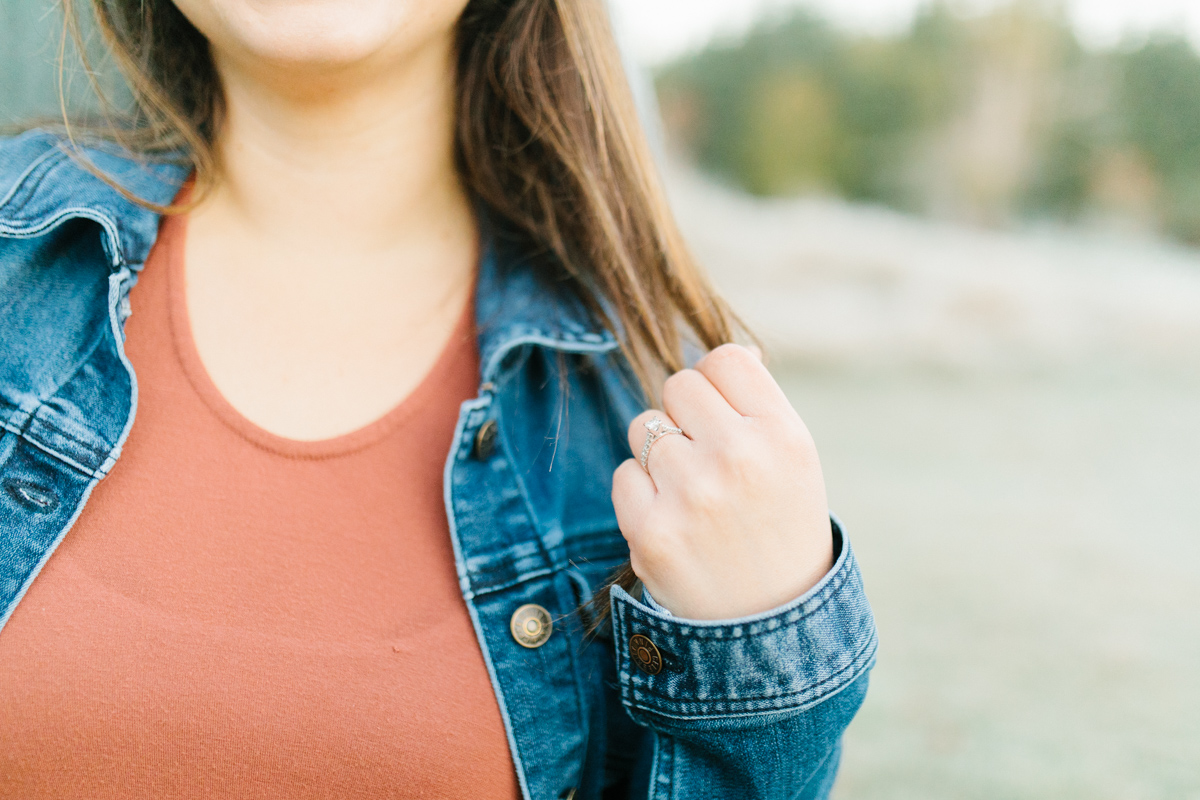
{"x":320,"y":34}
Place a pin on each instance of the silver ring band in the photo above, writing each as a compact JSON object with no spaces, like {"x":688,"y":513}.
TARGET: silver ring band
{"x":655,"y":430}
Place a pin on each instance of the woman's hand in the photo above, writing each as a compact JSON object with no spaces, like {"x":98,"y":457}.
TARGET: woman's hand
{"x":731,"y":519}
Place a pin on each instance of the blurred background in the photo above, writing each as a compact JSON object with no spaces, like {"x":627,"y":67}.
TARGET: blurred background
{"x":970,"y":235}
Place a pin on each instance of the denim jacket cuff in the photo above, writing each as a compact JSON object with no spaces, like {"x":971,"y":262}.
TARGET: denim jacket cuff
{"x":787,"y":659}
{"x":649,"y":601}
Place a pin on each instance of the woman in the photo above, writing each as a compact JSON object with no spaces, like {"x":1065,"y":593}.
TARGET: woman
{"x":403,"y":228}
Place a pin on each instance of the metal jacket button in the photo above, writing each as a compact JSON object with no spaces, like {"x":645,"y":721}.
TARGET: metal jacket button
{"x":531,"y":625}
{"x":645,"y":654}
{"x":485,"y":440}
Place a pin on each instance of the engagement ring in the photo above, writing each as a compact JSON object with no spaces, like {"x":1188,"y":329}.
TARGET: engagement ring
{"x":656,"y":429}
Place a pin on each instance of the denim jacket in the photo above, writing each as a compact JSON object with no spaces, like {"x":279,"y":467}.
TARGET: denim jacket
{"x":743,"y":708}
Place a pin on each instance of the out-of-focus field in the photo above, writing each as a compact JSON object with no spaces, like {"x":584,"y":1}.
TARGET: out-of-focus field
{"x":1031,"y":554}
{"x":1010,"y":429}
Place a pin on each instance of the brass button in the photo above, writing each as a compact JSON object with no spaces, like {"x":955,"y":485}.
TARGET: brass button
{"x":531,"y":625}
{"x":485,"y":440}
{"x":645,"y":654}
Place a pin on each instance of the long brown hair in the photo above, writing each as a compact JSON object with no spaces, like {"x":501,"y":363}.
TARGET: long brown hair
{"x":547,"y":136}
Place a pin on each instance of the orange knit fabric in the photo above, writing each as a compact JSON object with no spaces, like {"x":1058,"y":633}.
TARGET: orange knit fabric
{"x":235,"y":614}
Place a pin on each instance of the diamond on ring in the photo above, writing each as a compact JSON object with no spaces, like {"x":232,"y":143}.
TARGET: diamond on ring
{"x":655,"y":430}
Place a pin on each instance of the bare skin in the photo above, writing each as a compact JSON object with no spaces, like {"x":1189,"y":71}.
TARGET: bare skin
{"x":329,"y":266}
{"x":730,"y":520}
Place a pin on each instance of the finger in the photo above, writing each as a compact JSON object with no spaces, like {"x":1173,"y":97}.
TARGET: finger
{"x":743,"y":381}
{"x":692,"y":401}
{"x":637,"y":429}
{"x":632,"y":493}
{"x":755,"y":351}
{"x":664,"y":449}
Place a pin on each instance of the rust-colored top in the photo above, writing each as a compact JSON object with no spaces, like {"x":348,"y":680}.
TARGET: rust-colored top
{"x":238,"y":614}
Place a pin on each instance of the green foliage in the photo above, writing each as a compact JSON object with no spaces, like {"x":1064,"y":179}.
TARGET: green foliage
{"x":1159,"y":98}
{"x":1061,"y":186}
{"x":990,"y":117}
{"x":797,"y":106}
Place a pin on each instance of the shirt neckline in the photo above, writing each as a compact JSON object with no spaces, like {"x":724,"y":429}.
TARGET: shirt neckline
{"x":175,"y":230}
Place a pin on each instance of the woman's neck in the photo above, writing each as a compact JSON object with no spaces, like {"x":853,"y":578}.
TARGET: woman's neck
{"x":335,"y":254}
{"x":363,"y":151}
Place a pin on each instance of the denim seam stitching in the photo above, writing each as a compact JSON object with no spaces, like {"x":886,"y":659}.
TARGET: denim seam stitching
{"x":523,"y":578}
{"x":66,"y":434}
{"x":804,"y":611}
{"x":70,"y":462}
{"x":544,"y":339}
{"x":861,"y":658}
{"x":19,"y":184}
{"x":69,"y":213}
{"x":46,"y":447}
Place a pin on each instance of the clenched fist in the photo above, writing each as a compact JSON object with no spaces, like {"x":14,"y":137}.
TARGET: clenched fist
{"x":731,"y":518}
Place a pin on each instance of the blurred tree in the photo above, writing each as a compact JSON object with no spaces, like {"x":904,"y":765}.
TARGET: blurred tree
{"x":1061,"y":183}
{"x":788,"y":140}
{"x":988,"y":117}
{"x":1159,"y":102}
{"x":796,"y":106}
{"x":740,"y":113}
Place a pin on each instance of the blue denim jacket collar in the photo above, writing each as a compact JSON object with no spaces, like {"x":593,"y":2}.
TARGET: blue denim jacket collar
{"x":43,"y":185}
{"x":514,"y":305}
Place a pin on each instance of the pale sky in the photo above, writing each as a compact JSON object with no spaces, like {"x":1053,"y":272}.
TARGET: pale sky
{"x":656,"y":30}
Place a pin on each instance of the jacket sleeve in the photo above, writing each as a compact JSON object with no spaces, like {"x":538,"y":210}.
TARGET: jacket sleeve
{"x":750,"y":708}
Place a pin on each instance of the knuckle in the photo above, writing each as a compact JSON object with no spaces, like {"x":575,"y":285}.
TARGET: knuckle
{"x":728,"y":354}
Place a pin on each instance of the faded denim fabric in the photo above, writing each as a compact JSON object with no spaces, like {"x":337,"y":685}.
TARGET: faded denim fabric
{"x":748,"y":708}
